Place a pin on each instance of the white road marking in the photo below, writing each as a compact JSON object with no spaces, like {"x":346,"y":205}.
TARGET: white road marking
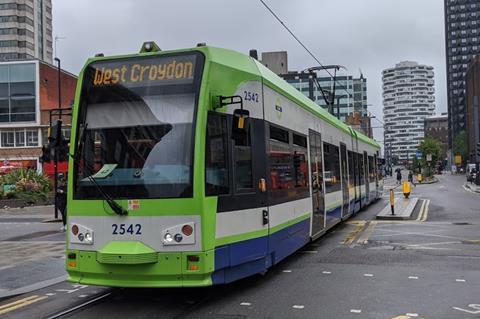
{"x":326,"y":272}
{"x":355,"y":310}
{"x":309,"y":251}
{"x":425,"y":211}
{"x":245,"y":304}
{"x":411,"y":314}
{"x":473,"y":306}
{"x":50,"y":294}
{"x":460,"y":280}
{"x":287,"y":270}
{"x":368,"y":275}
{"x":82,"y":296}
{"x":298,"y":306}
{"x":69,"y":291}
{"x":412,"y":277}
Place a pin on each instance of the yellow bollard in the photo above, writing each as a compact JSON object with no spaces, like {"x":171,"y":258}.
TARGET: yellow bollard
{"x":420,"y":178}
{"x":406,"y":189}
{"x":392,"y":201}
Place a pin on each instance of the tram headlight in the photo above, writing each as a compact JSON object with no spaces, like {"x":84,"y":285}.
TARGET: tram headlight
{"x":88,"y":238}
{"x":81,"y":234}
{"x":168,"y":238}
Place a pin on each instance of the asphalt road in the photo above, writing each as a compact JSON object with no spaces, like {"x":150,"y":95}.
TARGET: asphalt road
{"x":363,"y":268}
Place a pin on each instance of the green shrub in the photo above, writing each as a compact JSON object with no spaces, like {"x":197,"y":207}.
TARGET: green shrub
{"x":30,"y":186}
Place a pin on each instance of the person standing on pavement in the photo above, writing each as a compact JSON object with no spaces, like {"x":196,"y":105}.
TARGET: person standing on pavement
{"x":399,"y":176}
{"x":410,"y":177}
{"x":62,"y":199}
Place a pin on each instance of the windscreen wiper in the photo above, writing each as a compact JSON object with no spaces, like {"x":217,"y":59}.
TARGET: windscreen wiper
{"x":117,"y":209}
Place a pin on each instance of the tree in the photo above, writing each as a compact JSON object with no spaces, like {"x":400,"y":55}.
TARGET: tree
{"x":460,"y":145}
{"x":415,"y":163}
{"x":394,"y":160}
{"x":433,"y":147}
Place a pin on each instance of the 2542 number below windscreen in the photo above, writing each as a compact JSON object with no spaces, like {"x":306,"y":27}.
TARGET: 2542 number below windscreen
{"x":126,"y":229}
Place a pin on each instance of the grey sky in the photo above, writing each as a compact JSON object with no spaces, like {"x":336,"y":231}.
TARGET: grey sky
{"x":370,"y":35}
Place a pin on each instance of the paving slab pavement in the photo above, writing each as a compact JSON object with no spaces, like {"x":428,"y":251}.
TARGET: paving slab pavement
{"x":403,"y":209}
{"x":33,"y":251}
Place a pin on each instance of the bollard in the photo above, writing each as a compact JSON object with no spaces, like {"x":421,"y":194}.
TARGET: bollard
{"x":406,"y":189}
{"x":392,"y":201}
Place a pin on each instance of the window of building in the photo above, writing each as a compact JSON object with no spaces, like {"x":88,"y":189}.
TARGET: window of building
{"x":17,"y":93}
{"x":7,"y":139}
{"x":20,"y":138}
{"x":32,"y":138}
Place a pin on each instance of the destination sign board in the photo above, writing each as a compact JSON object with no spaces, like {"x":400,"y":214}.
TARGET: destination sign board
{"x":144,"y":71}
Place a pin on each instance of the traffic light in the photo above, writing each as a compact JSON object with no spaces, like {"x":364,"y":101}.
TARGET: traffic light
{"x":55,"y":135}
{"x":478,"y":149}
{"x":63,"y":151}
{"x":46,"y":154}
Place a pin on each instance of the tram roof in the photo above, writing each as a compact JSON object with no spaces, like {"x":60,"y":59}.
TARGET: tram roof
{"x":245,"y":63}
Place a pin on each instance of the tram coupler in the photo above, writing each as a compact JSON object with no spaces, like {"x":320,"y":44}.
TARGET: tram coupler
{"x":392,"y":201}
{"x":406,"y":189}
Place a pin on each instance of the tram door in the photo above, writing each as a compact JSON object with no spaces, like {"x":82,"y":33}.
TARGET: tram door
{"x":316,"y":176}
{"x":344,"y":177}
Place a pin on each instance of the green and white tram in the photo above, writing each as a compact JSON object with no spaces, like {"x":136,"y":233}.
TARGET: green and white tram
{"x":200,"y":166}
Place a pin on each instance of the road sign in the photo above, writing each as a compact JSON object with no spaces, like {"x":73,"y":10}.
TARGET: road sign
{"x":429,"y":157}
{"x":419,"y":154}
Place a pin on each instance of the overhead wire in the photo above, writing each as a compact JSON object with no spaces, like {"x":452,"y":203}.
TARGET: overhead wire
{"x":300,"y":42}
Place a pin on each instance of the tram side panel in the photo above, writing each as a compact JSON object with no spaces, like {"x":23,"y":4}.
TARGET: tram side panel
{"x":290,"y":203}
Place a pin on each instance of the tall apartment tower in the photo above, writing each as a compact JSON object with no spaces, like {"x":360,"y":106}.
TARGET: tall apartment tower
{"x":462,"y":43}
{"x":408,"y":98}
{"x":26,"y":30}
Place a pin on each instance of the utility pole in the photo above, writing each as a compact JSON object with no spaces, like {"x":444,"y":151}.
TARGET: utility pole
{"x":55,"y":149}
{"x":476,"y":129}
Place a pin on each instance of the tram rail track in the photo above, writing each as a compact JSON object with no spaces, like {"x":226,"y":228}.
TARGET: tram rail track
{"x":71,"y":310}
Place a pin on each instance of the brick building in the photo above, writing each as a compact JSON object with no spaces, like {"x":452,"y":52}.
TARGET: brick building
{"x":28,"y":91}
{"x":437,"y":127}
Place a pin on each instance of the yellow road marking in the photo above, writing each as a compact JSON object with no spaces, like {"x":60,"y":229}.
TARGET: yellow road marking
{"x":368,"y":232}
{"x":17,"y":302}
{"x":354,"y":233}
{"x":20,"y":303}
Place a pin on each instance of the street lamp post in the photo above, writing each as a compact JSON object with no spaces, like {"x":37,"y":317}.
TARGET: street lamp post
{"x":55,"y":149}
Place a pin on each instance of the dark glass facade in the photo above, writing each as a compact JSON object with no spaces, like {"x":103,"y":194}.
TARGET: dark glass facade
{"x":462,"y":43}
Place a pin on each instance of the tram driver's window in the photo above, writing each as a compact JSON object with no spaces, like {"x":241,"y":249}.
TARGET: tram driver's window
{"x":242,"y":157}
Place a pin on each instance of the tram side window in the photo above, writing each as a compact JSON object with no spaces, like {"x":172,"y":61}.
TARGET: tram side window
{"x":242,"y":157}
{"x":362,"y":169}
{"x":371,"y":170}
{"x":216,"y":160}
{"x":300,"y":165}
{"x":332,"y":168}
{"x":280,"y":160}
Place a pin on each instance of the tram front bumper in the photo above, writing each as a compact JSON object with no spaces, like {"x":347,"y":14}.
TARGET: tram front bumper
{"x":173,"y":269}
